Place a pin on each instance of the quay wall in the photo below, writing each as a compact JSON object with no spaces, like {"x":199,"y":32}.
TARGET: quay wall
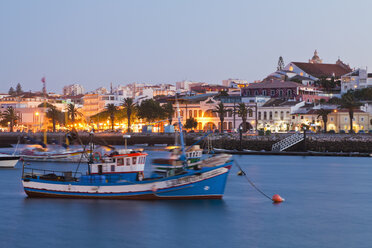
{"x":314,"y":142}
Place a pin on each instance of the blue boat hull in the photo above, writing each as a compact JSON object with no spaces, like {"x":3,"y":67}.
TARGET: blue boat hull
{"x":194,"y":185}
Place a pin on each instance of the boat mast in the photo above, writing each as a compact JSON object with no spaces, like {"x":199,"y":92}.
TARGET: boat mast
{"x":91,"y":147}
{"x":183,"y":154}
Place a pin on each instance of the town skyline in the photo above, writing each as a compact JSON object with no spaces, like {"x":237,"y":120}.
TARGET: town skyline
{"x":94,"y":44}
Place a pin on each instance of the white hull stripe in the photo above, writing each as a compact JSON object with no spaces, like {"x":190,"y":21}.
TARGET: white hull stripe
{"x":127,"y":188}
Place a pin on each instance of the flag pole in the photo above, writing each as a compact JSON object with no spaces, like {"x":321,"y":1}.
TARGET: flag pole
{"x":45,"y":105}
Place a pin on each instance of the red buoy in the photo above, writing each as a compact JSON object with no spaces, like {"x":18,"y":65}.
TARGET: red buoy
{"x":277,"y":199}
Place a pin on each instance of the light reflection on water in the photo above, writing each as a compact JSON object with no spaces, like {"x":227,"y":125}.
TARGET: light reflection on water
{"x":327,"y":205}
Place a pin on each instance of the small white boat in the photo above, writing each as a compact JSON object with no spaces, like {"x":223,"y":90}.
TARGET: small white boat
{"x":8,"y":161}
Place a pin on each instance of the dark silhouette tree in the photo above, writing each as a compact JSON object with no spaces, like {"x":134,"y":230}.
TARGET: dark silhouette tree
{"x":150,"y":110}
{"x":221,"y":112}
{"x":11,"y":91}
{"x":169,"y":111}
{"x":111,"y":109}
{"x":324,"y":114}
{"x":191,"y":123}
{"x":9,"y":116}
{"x":55,"y":115}
{"x":349,"y":102}
{"x":243,"y":113}
{"x":129,"y":108}
{"x":19,"y":90}
{"x":73,"y":113}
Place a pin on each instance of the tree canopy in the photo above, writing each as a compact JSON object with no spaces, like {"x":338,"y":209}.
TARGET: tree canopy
{"x":151,"y":110}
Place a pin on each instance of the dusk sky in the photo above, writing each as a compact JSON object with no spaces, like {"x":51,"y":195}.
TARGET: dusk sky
{"x":97,"y":42}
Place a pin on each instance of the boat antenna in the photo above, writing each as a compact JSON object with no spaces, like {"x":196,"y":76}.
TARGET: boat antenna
{"x":183,"y":154}
{"x":91,"y":147}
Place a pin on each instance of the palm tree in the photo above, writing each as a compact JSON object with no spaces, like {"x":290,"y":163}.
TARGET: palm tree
{"x":111,"y":110}
{"x":221,"y":111}
{"x":169,"y":111}
{"x":129,"y":108}
{"x":243,"y":112}
{"x":54,"y":114}
{"x":349,"y":102}
{"x":324,"y":114}
{"x":9,"y":116}
{"x":73,"y":112}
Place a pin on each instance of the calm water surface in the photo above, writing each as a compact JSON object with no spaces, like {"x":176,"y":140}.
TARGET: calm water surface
{"x":328,"y":204}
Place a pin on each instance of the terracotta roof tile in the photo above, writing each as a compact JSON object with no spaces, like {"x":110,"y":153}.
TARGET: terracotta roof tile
{"x":323,"y":70}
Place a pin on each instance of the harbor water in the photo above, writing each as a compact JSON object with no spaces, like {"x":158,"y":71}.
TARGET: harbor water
{"x":328,"y":204}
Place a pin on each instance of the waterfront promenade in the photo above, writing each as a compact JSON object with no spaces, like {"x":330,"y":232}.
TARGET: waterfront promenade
{"x":361,"y":143}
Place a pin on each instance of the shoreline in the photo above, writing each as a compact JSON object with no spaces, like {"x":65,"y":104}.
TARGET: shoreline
{"x":326,"y":144}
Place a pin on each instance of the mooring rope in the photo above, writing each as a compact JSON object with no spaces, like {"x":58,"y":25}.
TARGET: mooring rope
{"x":250,"y":182}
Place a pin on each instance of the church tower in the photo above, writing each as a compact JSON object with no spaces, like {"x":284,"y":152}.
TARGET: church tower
{"x":315,"y":59}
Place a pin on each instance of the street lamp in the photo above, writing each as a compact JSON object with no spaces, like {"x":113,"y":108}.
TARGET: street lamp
{"x":240,"y":136}
{"x":37,"y":114}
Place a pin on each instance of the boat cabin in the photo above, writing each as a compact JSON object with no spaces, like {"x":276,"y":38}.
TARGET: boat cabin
{"x":121,"y":163}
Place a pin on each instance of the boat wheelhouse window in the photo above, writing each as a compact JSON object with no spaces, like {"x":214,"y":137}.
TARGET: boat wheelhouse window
{"x":120,"y":161}
{"x":134,"y":160}
{"x":112,"y":168}
{"x":99,"y":169}
{"x":127,"y":161}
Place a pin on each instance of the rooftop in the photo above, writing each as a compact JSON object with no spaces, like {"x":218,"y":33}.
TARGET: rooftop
{"x":323,"y":70}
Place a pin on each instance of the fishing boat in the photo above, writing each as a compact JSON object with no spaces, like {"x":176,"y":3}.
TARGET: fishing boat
{"x":193,"y":156}
{"x":53,"y":155}
{"x":8,"y":160}
{"x":121,"y":176}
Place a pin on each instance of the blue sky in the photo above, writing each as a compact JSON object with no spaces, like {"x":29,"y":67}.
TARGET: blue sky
{"x":97,"y":42}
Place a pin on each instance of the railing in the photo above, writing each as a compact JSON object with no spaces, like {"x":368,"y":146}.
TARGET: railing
{"x":51,"y":175}
{"x":288,"y":142}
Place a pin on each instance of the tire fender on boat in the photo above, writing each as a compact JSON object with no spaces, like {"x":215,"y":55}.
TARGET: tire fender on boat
{"x":140,"y":176}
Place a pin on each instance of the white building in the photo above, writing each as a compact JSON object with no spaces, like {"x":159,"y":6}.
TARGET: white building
{"x":186,"y":85}
{"x":73,"y":90}
{"x":275,"y":114}
{"x":356,"y":80}
{"x":235,"y":83}
{"x":201,"y":107}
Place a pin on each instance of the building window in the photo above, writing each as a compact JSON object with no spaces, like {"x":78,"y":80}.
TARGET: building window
{"x":230,"y":125}
{"x":270,"y":115}
{"x":289,"y":93}
{"x":190,"y":113}
{"x":250,"y":112}
{"x":264,"y":92}
{"x":256,"y":92}
{"x":280,"y":93}
{"x":281,"y":115}
{"x":259,"y":115}
{"x":200,"y":113}
{"x":264,"y":117}
{"x":120,"y":161}
{"x":195,"y":113}
{"x":272,"y":92}
{"x":362,"y":119}
{"x":293,"y":117}
{"x":181,"y":113}
{"x":302,"y":117}
{"x":345,"y":119}
{"x":331,"y":118}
